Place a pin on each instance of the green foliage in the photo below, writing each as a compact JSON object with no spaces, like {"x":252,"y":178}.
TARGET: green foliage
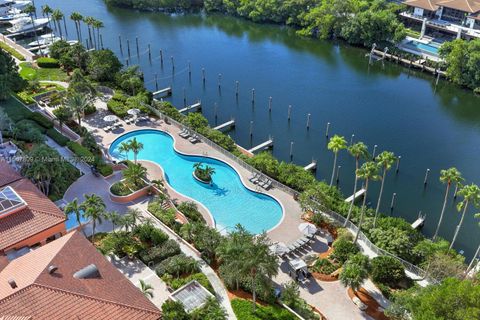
{"x":387,"y":270}
{"x":196,"y":121}
{"x":147,"y":233}
{"x":117,"y":243}
{"x":177,"y":265}
{"x":78,"y":83}
{"x":243,"y":310}
{"x":176,"y":283}
{"x":463,"y":62}
{"x":343,"y":250}
{"x":291,"y":297}
{"x":324,"y":266}
{"x":10,"y":81}
{"x":190,"y":210}
{"x":7,"y":49}
{"x":118,"y":108}
{"x":90,"y":143}
{"x":452,"y":299}
{"x":103,"y":65}
{"x":57,"y":137}
{"x":157,"y":5}
{"x":130,"y":80}
{"x":211,"y":310}
{"x":45,"y":62}
{"x":28,"y":131}
{"x":173,"y":310}
{"x":355,"y":271}
{"x":157,"y":254}
{"x":105,"y":169}
{"x":120,"y":189}
{"x":41,"y":120}
{"x":81,"y":152}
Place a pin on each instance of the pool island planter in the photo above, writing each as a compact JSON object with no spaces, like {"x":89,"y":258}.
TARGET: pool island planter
{"x":209,"y":182}
{"x":135,"y":195}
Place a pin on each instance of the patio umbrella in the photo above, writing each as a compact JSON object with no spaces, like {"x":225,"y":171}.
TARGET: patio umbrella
{"x":110,"y":118}
{"x":307,"y":228}
{"x":278,"y":248}
{"x":133,"y":112}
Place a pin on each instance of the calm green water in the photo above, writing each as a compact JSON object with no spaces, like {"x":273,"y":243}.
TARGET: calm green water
{"x":383,"y":104}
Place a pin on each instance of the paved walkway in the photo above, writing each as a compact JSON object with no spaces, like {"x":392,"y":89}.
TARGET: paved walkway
{"x":135,"y":270}
{"x":68,"y":155}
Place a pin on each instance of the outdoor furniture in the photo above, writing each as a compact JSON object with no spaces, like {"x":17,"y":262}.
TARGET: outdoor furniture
{"x":107,"y":128}
{"x":194,"y":139}
{"x":307,"y":228}
{"x":298,"y":269}
{"x":255,"y":178}
{"x":185,"y":135}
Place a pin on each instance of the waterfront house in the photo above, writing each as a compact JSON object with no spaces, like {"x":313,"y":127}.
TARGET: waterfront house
{"x":69,"y":279}
{"x":451,"y":18}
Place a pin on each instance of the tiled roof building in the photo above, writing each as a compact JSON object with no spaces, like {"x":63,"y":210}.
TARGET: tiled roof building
{"x":69,"y":279}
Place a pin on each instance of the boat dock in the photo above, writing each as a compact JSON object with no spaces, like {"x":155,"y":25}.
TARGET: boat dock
{"x":265,"y":145}
{"x":419,"y":222}
{"x":312,"y":166}
{"x":194,"y":106}
{"x":163,"y":92}
{"x":355,"y":196}
{"x":226,"y":125}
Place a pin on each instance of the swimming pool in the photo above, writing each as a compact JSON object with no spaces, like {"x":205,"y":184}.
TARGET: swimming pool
{"x":423,"y":47}
{"x":227,"y":199}
{"x":72,"y":223}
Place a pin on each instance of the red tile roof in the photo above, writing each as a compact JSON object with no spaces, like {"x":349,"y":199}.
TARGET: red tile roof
{"x":59,"y":295}
{"x":40,"y":214}
{"x":7,"y":174}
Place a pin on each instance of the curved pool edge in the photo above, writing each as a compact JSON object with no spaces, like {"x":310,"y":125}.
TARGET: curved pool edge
{"x":204,"y":156}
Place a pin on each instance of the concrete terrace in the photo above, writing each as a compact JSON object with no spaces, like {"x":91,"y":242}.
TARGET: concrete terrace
{"x":286,"y":231}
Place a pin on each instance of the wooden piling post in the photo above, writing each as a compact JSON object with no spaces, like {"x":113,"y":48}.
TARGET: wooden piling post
{"x":128,"y":47}
{"x":270,"y":104}
{"x":351,"y":138}
{"x":398,"y":164}
{"x":173,"y":63}
{"x":392,"y":203}
{"x":156,"y":83}
{"x":219,"y":80}
{"x":161,"y":57}
{"x":374,"y":151}
{"x":326,"y":131}
{"x":149,"y":53}
{"x":126,"y":62}
{"x":251,"y":129}
{"x":237,"y":85}
{"x":189,"y":69}
{"x":138,"y":50}
{"x":184,"y":97}
{"x":253,"y":96}
{"x":425,"y":180}
{"x":203,"y":75}
{"x":289,"y":112}
{"x":291,"y":150}
{"x":308,"y":121}
{"x":120,"y":42}
{"x":338,"y":174}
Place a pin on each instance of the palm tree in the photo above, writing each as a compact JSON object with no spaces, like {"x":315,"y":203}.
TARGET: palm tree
{"x":97,"y":24}
{"x":354,"y":272}
{"x":147,"y":289}
{"x":135,"y":216}
{"x":209,"y":171}
{"x":89,"y":21}
{"x":125,"y":148}
{"x":336,"y":144}
{"x":136,"y":147}
{"x":57,"y":16}
{"x":114,"y":218}
{"x":77,"y":19}
{"x":358,"y":150}
{"x":449,"y":176}
{"x":77,"y":103}
{"x":77,"y":209}
{"x":31,"y":10}
{"x":475,"y":256}
{"x":62,"y":115}
{"x":47,"y":11}
{"x":368,"y":172}
{"x":470,"y":194}
{"x":385,"y":159}
{"x":135,"y":175}
{"x":94,"y":208}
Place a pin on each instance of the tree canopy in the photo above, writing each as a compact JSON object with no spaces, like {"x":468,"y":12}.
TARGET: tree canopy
{"x":10,"y":80}
{"x":463,"y":62}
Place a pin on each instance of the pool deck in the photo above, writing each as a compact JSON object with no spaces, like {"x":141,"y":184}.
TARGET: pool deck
{"x":286,"y":231}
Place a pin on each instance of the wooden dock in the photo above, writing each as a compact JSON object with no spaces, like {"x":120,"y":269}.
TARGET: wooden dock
{"x":163,"y":92}
{"x":194,"y":106}
{"x":355,"y":196}
{"x":312,"y":166}
{"x":265,"y":145}
{"x":408,"y":63}
{"x":226,"y":125}
{"x":419,"y":222}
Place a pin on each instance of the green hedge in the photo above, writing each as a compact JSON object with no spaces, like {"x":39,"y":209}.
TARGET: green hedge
{"x":90,"y":109}
{"x":243,"y":310}
{"x":41,"y":120}
{"x":105,"y":169}
{"x":118,"y":108}
{"x":57,"y":137}
{"x":12,"y":51}
{"x":45,"y":62}
{"x":82,"y":152}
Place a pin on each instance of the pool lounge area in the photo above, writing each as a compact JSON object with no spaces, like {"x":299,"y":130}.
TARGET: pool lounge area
{"x":425,"y":48}
{"x":227,"y":199}
{"x":71,"y":223}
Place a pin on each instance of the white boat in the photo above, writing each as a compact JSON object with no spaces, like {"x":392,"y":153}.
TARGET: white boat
{"x":72,"y":42}
{"x":12,"y":15}
{"x":25,"y":24}
{"x":44,"y":41}
{"x":7,"y":5}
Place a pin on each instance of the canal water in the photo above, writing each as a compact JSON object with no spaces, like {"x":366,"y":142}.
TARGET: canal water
{"x":387,"y":105}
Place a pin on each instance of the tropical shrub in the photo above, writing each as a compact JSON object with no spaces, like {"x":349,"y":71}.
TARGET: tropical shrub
{"x":243,"y":310}
{"x":387,"y":270}
{"x":41,"y":120}
{"x":343,"y":250}
{"x":57,"y":137}
{"x":157,"y":254}
{"x":45,"y":62}
{"x":118,"y":108}
{"x":190,"y":210}
{"x":26,"y":130}
{"x":176,"y":283}
{"x":174,"y":310}
{"x":80,"y":151}
{"x":105,"y":169}
{"x":120,"y":189}
{"x":324,"y":266}
{"x":177,"y":265}
{"x":147,"y":233}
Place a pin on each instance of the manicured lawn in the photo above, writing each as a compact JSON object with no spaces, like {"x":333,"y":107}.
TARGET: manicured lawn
{"x":26,"y":96}
{"x":243,"y":310}
{"x":29,"y":72}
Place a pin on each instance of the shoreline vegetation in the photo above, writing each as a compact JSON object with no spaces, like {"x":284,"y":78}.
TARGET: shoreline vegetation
{"x":359,"y":23}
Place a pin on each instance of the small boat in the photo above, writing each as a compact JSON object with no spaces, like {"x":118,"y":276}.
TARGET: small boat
{"x":24,"y":25}
{"x":7,"y":5}
{"x":44,"y":41}
{"x":12,"y":15}
{"x":72,"y":42}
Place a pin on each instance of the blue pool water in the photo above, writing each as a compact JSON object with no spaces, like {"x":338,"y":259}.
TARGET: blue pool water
{"x":72,"y":223}
{"x":228,"y":200}
{"x":428,"y":48}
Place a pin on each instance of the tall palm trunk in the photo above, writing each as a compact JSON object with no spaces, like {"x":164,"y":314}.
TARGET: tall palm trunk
{"x":459,"y":226}
{"x":90,"y":37}
{"x":59,"y":28}
{"x":65,"y":27}
{"x":334,"y":166}
{"x":470,"y":266}
{"x":354,"y":192}
{"x":76,"y":29}
{"x":443,"y":211}
{"x":363,"y":212}
{"x":80,"y":31}
{"x":379,"y":197}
